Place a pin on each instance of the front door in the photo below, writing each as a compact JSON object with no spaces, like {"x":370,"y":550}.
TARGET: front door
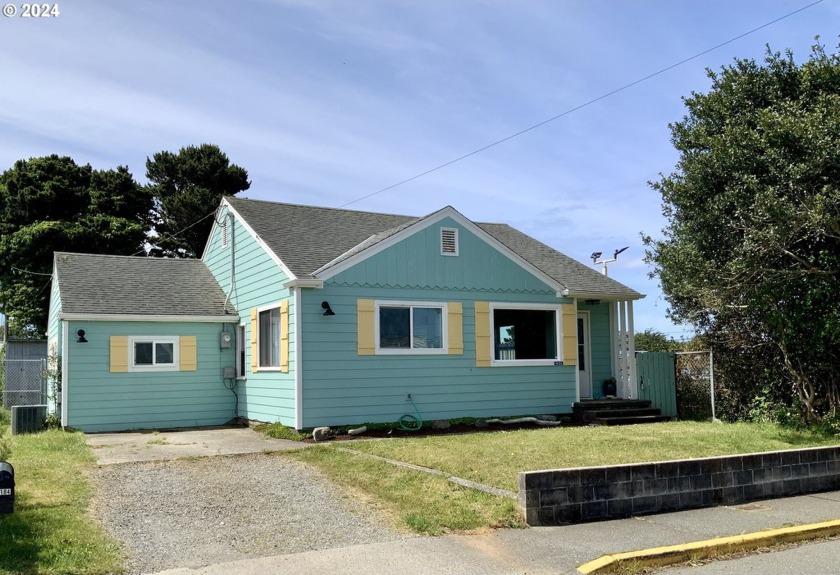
{"x":584,"y":373}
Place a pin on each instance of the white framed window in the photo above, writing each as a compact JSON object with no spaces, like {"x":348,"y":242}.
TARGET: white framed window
{"x":153,"y":353}
{"x":240,"y":351}
{"x":525,"y":334}
{"x":268,"y":337}
{"x":410,"y":327}
{"x":449,"y":241}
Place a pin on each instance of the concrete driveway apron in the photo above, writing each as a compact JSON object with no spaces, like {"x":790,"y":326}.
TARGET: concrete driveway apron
{"x":134,"y":447}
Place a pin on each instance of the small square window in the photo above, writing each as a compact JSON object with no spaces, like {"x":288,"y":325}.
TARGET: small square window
{"x":154,"y":353}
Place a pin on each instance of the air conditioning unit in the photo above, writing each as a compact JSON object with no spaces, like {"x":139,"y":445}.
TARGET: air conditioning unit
{"x":28,"y":418}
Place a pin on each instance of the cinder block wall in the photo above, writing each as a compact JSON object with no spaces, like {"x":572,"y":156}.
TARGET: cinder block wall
{"x":561,"y":496}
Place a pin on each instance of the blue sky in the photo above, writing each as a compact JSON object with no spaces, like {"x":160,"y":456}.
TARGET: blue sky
{"x":325,"y":102}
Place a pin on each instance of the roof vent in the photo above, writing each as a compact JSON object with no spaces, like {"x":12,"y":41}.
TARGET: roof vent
{"x":448,"y":242}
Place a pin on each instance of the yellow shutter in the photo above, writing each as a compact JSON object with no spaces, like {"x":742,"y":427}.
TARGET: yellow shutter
{"x":455,"y":323}
{"x":187,"y":353}
{"x":119,"y":353}
{"x":570,"y":338}
{"x":482,"y":334}
{"x":253,"y":340}
{"x":365,"y":326}
{"x":284,"y":336}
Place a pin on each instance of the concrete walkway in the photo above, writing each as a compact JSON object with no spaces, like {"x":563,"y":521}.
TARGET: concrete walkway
{"x":540,"y":550}
{"x":134,"y":447}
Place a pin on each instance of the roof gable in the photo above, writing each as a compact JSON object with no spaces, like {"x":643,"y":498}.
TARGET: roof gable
{"x":313,"y":242}
{"x":94,"y":284}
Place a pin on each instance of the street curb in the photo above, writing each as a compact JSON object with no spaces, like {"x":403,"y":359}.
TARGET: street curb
{"x":661,"y":556}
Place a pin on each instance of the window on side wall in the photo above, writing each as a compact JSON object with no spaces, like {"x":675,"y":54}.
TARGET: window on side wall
{"x":153,"y":353}
{"x":410,"y":328}
{"x":240,"y":351}
{"x":269,"y":338}
{"x":525,"y":334}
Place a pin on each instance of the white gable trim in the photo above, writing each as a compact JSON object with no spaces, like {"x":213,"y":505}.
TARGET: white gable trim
{"x":329,"y":271}
{"x":255,"y":235}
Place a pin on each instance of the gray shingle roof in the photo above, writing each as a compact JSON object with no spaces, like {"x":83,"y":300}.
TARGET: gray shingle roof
{"x":104,"y":284}
{"x":306,"y":238}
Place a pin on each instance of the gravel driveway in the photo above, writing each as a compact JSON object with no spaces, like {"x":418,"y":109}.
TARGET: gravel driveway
{"x":196,"y":512}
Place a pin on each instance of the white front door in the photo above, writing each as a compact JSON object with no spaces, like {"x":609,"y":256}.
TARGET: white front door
{"x":584,"y":372}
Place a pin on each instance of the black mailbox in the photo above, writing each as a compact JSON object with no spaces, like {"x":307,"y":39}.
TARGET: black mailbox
{"x":7,"y":488}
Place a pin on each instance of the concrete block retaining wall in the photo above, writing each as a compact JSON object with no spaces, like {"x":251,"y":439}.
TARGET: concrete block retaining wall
{"x":561,"y":496}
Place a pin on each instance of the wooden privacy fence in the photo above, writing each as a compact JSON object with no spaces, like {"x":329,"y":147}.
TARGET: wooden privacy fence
{"x":656,"y":379}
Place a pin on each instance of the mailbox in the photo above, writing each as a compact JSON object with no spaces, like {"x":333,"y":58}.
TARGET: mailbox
{"x":7,"y":488}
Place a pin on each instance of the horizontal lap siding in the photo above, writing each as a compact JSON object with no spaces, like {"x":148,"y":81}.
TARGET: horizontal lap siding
{"x":263,"y":396}
{"x":99,"y":400}
{"x":341,"y":387}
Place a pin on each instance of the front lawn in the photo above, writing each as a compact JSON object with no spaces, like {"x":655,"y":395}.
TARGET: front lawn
{"x":52,"y":530}
{"x":496,"y":458}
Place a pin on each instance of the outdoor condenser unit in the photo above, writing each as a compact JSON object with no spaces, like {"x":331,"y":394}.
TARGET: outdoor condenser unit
{"x":28,"y":418}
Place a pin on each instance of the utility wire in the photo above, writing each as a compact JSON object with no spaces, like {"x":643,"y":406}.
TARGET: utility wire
{"x":584,"y":105}
{"x":29,"y":272}
{"x":179,"y":232}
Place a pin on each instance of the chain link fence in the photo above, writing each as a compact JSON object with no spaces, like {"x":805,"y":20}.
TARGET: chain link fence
{"x":25,"y":382}
{"x":695,"y":381}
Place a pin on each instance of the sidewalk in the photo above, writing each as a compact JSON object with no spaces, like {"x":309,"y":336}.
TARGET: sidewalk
{"x":540,"y":550}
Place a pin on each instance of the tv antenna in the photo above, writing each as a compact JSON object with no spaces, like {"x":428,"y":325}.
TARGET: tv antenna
{"x":603,"y":263}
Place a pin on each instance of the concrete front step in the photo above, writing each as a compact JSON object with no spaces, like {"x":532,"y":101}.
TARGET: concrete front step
{"x":607,"y":413}
{"x":630,"y":420}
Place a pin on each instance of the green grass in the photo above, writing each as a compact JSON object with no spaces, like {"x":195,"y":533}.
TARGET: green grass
{"x":280,"y":431}
{"x":415,"y":501}
{"x":52,"y":530}
{"x":496,"y":458}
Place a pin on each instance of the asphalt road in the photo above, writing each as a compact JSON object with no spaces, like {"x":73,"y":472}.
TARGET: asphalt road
{"x":813,"y":558}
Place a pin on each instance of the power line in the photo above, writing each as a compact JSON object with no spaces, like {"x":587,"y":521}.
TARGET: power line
{"x":581,"y":106}
{"x":179,"y":232}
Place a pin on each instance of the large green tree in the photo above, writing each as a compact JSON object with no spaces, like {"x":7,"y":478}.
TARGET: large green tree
{"x":52,"y":204}
{"x":187,"y":187}
{"x":751,"y":252}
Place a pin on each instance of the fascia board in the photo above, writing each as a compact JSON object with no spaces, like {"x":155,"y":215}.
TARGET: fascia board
{"x":259,"y":240}
{"x":606,"y":296}
{"x":153,"y":318}
{"x":304,"y":283}
{"x":212,"y":230}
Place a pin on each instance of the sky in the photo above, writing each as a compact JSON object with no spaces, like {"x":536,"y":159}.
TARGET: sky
{"x":327,"y":102}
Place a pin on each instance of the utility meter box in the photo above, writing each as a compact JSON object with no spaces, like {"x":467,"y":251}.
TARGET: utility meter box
{"x":225,"y":340}
{"x":7,"y":488}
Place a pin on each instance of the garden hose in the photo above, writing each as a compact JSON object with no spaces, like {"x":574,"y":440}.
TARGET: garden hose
{"x":409,"y":422}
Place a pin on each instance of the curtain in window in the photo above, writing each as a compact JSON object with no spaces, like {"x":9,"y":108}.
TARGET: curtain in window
{"x":270,"y":338}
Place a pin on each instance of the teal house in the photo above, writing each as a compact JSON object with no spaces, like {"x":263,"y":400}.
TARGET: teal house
{"x":317,"y":316}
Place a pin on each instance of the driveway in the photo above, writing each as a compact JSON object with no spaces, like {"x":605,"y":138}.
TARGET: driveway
{"x":136,"y":447}
{"x":188,"y":499}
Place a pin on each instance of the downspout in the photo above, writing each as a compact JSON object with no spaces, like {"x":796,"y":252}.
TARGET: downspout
{"x":65,"y":363}
{"x":298,"y":345}
{"x":229,"y":216}
{"x":577,"y":367}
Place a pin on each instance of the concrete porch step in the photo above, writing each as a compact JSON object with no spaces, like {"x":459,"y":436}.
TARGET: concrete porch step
{"x":631,"y":420}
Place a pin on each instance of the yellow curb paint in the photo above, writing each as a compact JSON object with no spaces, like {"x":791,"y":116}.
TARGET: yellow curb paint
{"x":660,"y":556}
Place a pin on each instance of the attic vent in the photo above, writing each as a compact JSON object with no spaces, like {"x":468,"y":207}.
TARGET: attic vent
{"x":448,"y":242}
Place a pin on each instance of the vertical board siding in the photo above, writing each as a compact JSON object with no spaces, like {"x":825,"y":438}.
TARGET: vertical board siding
{"x":657,"y":380}
{"x":263,"y":395}
{"x":101,"y":400}
{"x":600,"y":360}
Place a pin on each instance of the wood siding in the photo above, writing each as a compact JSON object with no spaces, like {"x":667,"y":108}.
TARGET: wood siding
{"x":263,"y":395}
{"x":342,"y":386}
{"x":102,"y":400}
